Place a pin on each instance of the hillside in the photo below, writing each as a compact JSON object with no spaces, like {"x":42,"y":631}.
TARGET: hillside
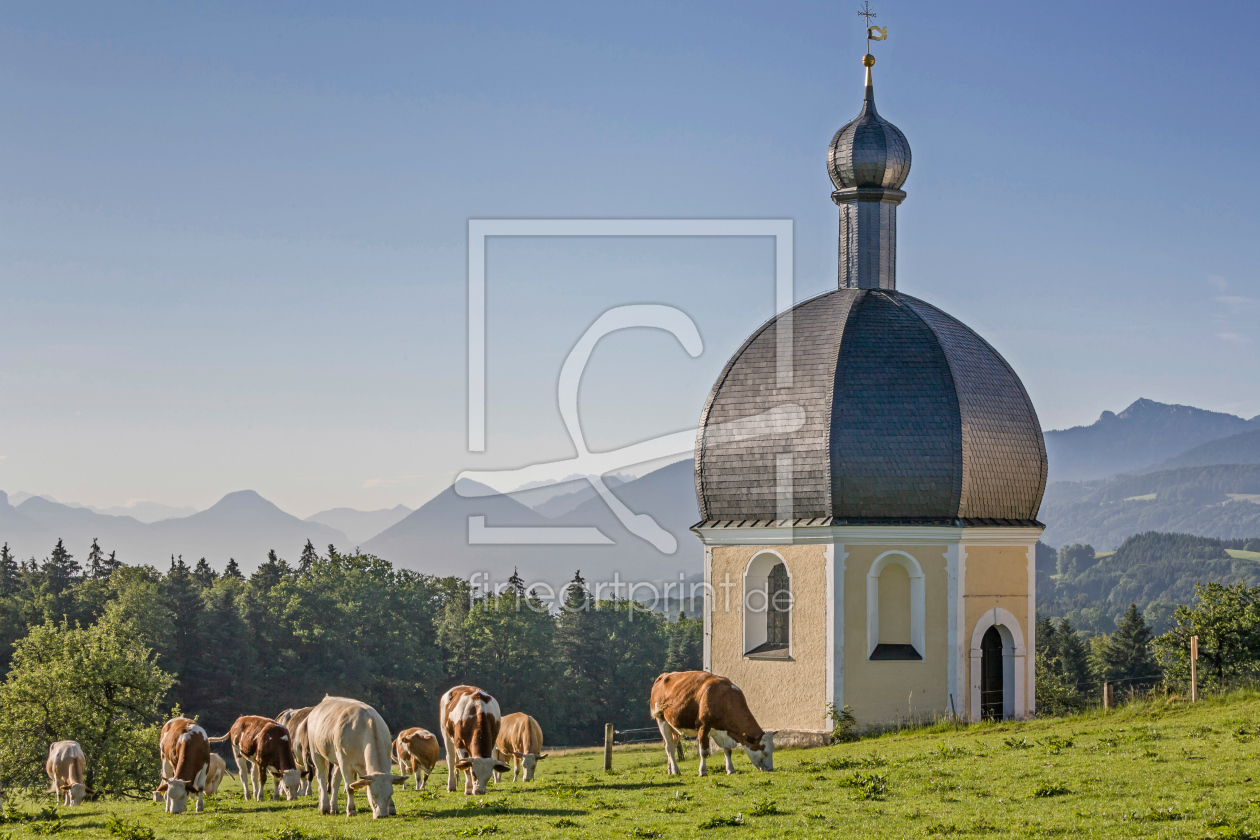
{"x":1242,"y":448}
{"x":1155,"y":769}
{"x":1155,"y":571}
{"x":1145,"y":433}
{"x":359,"y":526}
{"x":1192,"y":500}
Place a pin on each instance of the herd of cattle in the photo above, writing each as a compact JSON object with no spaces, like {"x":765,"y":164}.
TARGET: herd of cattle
{"x":348,"y":739}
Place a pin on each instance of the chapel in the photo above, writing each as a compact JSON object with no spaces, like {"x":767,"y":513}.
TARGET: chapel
{"x":869,"y":504}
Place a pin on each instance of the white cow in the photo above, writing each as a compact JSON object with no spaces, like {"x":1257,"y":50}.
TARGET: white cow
{"x":350,"y":736}
{"x":65,"y":767}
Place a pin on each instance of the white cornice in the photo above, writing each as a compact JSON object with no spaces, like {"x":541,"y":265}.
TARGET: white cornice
{"x":868,"y":535}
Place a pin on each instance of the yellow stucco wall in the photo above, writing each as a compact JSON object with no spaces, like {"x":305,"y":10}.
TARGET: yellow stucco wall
{"x":782,"y":694}
{"x":996,"y":576}
{"x":883,"y":691}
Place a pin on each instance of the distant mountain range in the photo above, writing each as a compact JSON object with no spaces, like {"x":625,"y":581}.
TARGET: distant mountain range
{"x":142,"y":510}
{"x":242,"y":525}
{"x":435,"y":538}
{"x":1143,"y":434}
{"x":1169,"y":459}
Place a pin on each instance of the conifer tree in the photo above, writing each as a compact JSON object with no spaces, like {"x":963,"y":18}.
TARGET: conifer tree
{"x":1072,"y":656}
{"x":308,"y":558}
{"x":1126,"y":654}
{"x":232,"y":570}
{"x":8,"y":572}
{"x":60,"y":569}
{"x":204,"y":574}
{"x":96,"y":562}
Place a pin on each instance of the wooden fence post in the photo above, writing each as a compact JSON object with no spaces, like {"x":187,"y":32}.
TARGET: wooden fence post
{"x":1107,"y":697}
{"x":608,"y":745}
{"x":1194,"y":669}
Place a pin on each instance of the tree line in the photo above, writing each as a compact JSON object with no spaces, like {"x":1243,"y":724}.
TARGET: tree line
{"x":1147,"y":647}
{"x":332,"y":623}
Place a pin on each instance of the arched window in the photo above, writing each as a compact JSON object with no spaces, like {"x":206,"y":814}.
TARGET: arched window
{"x":767,"y":608}
{"x":895,"y":608}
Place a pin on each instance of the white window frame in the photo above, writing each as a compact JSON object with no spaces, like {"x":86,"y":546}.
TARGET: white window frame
{"x":918,"y":600}
{"x":755,"y":619}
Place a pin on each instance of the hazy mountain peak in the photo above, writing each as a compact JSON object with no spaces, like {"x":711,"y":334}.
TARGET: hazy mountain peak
{"x":1144,"y":433}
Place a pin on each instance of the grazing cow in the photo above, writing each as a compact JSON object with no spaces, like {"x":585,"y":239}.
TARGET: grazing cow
{"x":216,"y":772}
{"x":292,"y":719}
{"x":351,"y":737}
{"x":470,"y":726}
{"x":65,"y":767}
{"x":521,"y":739}
{"x":261,"y":746}
{"x":708,"y":706}
{"x":417,"y":751}
{"x":185,"y":762}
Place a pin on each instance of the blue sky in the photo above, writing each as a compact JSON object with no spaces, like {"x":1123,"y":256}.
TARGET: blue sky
{"x":232,"y":236}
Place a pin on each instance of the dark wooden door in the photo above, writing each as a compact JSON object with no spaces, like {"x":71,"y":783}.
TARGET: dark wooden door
{"x":991,"y":700}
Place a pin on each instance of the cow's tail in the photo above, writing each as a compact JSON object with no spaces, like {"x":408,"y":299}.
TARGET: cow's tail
{"x":220,"y":739}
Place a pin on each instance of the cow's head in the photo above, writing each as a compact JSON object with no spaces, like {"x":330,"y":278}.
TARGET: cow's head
{"x":529,"y":762}
{"x":761,"y":751}
{"x":73,"y":794}
{"x":380,"y":792}
{"x":176,"y":795}
{"x":481,"y":769}
{"x":289,"y":781}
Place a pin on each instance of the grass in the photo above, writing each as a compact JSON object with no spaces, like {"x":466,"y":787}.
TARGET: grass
{"x":1151,"y":769}
{"x":1239,"y":554}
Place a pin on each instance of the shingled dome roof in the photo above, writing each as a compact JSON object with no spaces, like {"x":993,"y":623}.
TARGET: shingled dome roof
{"x":895,"y":413}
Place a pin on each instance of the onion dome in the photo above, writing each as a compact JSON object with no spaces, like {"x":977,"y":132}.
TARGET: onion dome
{"x":895,"y":413}
{"x":869,"y":151}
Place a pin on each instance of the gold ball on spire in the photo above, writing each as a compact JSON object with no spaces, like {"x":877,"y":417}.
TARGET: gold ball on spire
{"x":868,"y":60}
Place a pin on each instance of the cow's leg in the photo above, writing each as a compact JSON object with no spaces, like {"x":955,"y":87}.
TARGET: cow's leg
{"x":518,"y":763}
{"x":260,"y":780}
{"x":702,"y":737}
{"x":669,"y":736}
{"x":347,"y":781}
{"x":242,"y":769}
{"x":323,"y":781}
{"x":450,"y":761}
{"x":730,"y":765}
{"x":422,"y":780}
{"x":415,"y":769}
{"x":201,"y":804}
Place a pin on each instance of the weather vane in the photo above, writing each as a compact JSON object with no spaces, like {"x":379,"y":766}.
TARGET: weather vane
{"x":873,"y":33}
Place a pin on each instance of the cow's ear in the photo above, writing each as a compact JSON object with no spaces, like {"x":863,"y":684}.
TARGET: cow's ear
{"x":65,"y":788}
{"x":463,"y":764}
{"x":398,"y":780}
{"x":541,"y":757}
{"x":361,"y":784}
{"x":501,"y":767}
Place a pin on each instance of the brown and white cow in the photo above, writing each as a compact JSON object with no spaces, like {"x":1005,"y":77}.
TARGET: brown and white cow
{"x":261,"y":746}
{"x":520,"y":739}
{"x":417,"y":751}
{"x":65,"y":768}
{"x":708,"y":706}
{"x":185,"y":762}
{"x":215,"y":773}
{"x":292,"y":719}
{"x":351,"y":737}
{"x":470,"y":727}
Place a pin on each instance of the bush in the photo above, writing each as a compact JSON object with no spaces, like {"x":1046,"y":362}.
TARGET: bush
{"x":98,"y":686}
{"x":128,"y":829}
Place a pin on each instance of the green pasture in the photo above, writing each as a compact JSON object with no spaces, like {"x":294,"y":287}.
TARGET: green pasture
{"x":1151,"y":769}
